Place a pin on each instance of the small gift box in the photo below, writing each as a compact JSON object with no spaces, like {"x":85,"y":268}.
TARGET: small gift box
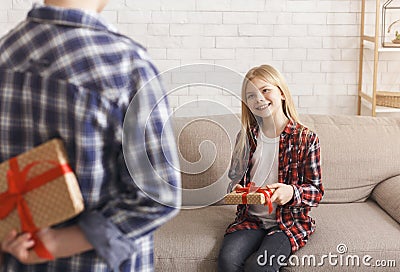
{"x":38,"y":189}
{"x":250,"y":195}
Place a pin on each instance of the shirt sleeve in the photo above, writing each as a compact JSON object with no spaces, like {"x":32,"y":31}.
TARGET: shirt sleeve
{"x":148,"y":169}
{"x":310,"y":191}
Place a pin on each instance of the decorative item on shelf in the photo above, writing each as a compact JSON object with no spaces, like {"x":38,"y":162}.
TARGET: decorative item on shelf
{"x":397,"y":39}
{"x":388,"y":11}
{"x":388,"y":99}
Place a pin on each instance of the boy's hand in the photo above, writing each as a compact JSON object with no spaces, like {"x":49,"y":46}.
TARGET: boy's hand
{"x":283,"y":193}
{"x":20,"y":246}
{"x":61,"y":243}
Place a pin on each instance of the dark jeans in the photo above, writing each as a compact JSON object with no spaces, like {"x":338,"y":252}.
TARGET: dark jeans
{"x":253,"y":250}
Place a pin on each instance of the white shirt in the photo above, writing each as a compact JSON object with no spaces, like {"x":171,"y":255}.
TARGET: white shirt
{"x":265,"y":171}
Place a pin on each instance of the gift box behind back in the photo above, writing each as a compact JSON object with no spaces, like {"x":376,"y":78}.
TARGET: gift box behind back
{"x":54,"y":202}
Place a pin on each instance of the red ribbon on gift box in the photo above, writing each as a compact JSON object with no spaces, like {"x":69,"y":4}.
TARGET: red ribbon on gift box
{"x":251,"y":188}
{"x":18,"y":185}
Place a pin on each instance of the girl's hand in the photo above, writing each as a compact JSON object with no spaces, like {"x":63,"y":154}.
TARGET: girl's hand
{"x":283,"y":193}
{"x":20,"y":246}
{"x":237,"y":186}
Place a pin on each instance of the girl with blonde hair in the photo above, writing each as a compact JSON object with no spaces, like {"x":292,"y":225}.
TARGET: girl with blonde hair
{"x":273,"y":149}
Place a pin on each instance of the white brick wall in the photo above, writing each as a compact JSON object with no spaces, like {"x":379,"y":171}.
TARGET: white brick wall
{"x":314,"y":43}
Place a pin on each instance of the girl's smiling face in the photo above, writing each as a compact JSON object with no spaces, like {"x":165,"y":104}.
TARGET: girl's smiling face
{"x":263,"y":99}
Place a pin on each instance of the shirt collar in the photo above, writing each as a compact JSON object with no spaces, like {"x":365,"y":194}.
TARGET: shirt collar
{"x":69,"y":17}
{"x":290,"y":128}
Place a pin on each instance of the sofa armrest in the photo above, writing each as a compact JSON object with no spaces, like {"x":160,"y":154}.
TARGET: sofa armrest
{"x":387,"y":195}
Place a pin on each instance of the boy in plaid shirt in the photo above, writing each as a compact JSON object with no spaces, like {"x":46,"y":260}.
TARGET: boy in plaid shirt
{"x":66,"y":73}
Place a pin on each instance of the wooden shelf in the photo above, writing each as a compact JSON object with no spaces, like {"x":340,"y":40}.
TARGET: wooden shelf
{"x":391,"y":45}
{"x":374,"y":43}
{"x":369,"y":45}
{"x":388,"y":49}
{"x":386,"y":93}
{"x":379,"y":109}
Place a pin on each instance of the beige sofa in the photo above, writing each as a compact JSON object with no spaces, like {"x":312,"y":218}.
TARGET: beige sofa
{"x":358,"y":219}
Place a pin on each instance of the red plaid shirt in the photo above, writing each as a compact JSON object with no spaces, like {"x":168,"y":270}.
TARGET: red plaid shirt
{"x":299,"y":166}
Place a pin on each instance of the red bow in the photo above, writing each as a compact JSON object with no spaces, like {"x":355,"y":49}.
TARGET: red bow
{"x":18,"y":185}
{"x":251,"y":188}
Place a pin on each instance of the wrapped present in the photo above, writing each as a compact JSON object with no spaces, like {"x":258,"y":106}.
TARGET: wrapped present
{"x":250,"y":195}
{"x":38,"y":189}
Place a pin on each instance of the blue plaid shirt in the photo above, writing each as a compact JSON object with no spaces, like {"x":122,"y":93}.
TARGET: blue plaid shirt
{"x":68,"y":74}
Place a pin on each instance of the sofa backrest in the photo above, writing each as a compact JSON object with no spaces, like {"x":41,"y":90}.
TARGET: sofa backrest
{"x":205,"y":146}
{"x":357,"y":153}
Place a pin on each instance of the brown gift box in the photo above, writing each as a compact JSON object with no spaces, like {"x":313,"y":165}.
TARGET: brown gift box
{"x":54,"y":202}
{"x":252,"y":198}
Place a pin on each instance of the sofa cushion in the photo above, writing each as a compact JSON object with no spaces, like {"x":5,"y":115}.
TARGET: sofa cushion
{"x":384,"y":196}
{"x":191,"y":241}
{"x":364,"y":228}
{"x":205,"y":149}
{"x":357,"y":153}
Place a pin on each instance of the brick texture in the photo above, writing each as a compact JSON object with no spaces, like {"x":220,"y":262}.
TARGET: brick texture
{"x":314,"y":43}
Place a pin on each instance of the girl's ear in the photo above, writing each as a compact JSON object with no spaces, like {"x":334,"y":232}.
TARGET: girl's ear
{"x":282,"y":95}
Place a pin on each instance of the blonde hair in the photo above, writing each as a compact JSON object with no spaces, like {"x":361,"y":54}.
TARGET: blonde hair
{"x":272,"y":76}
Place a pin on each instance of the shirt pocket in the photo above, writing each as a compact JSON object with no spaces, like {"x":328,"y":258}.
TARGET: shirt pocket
{"x":300,"y":215}
{"x":287,"y":218}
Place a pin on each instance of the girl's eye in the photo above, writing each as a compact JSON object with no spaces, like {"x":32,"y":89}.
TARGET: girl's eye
{"x":250,"y":96}
{"x":265,"y":90}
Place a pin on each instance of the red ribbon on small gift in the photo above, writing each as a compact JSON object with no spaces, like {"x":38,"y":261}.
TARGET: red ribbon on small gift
{"x":18,"y":185}
{"x":251,"y":188}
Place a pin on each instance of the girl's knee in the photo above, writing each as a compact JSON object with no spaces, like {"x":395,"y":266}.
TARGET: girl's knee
{"x":227,"y":262}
